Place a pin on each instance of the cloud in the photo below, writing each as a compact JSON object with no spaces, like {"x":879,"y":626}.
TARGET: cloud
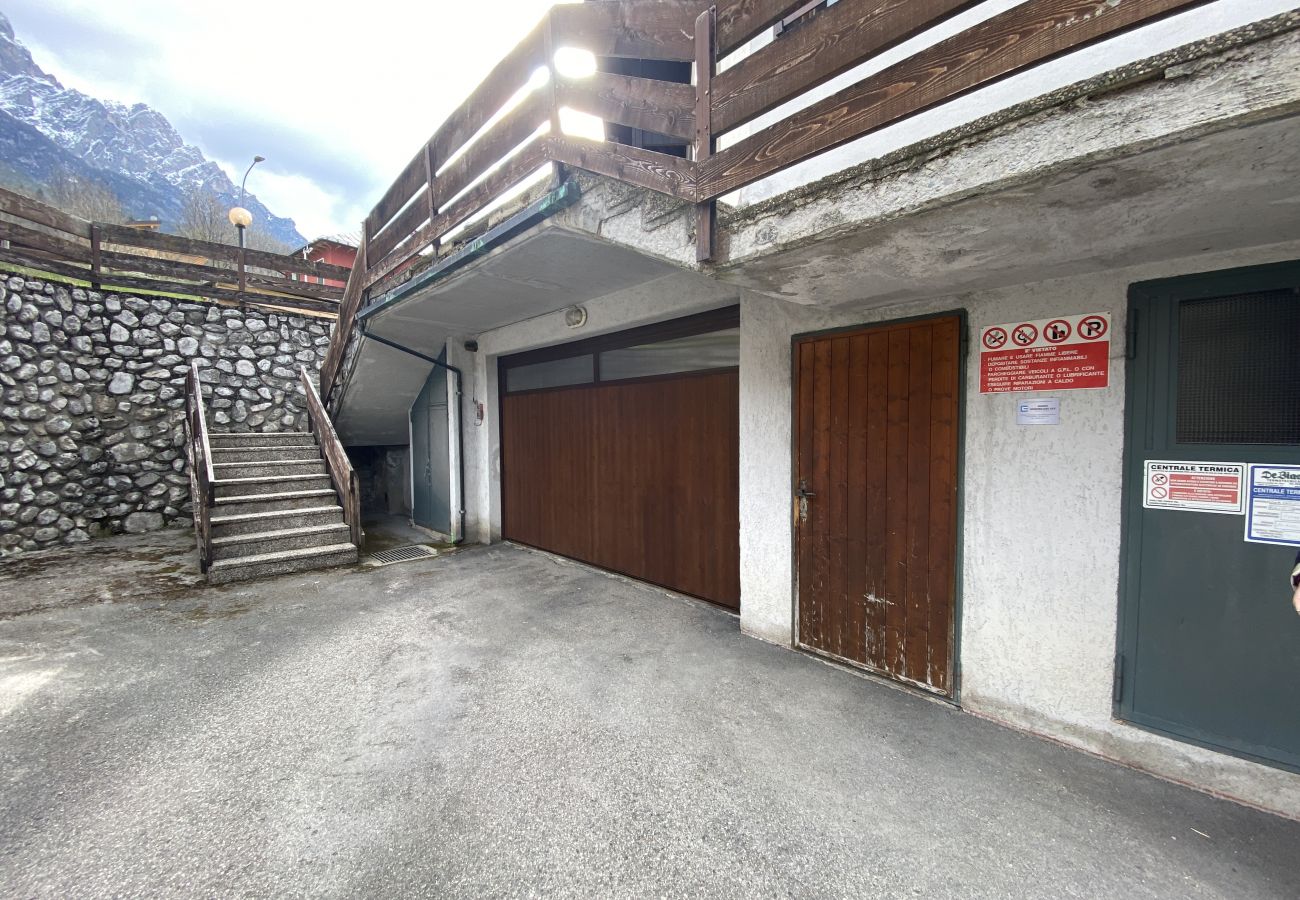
{"x":336,"y":97}
{"x":316,"y":211}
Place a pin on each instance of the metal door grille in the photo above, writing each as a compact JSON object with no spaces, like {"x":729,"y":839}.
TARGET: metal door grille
{"x":1239,"y":369}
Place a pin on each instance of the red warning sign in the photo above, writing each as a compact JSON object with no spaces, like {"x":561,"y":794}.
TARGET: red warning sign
{"x":1062,"y":354}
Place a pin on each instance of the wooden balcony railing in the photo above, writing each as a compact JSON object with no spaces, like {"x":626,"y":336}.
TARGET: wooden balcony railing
{"x":483,"y":149}
{"x":44,"y":239}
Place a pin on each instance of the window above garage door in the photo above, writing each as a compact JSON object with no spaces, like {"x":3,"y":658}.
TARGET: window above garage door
{"x":705,"y":342}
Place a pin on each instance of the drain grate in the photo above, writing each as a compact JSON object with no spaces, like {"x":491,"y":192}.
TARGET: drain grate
{"x":400,"y":554}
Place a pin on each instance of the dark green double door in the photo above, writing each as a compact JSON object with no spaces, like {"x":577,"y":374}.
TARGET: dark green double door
{"x":1209,"y":642}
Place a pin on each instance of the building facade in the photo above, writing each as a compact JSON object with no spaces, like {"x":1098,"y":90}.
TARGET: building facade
{"x":1003,"y":415}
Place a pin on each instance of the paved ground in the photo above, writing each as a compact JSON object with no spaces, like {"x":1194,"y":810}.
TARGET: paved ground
{"x":495,"y":722}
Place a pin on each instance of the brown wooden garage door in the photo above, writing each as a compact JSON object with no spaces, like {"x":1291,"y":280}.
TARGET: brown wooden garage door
{"x":623,"y":452}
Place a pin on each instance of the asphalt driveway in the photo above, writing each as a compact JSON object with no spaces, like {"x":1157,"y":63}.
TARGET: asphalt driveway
{"x":499,"y":723}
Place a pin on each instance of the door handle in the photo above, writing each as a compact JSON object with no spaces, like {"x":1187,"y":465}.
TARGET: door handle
{"x":804,"y":496}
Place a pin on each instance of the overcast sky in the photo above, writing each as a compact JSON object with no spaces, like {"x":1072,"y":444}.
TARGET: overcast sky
{"x":337,"y":96}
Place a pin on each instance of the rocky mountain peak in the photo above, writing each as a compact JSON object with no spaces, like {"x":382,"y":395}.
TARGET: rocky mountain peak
{"x":134,"y":149}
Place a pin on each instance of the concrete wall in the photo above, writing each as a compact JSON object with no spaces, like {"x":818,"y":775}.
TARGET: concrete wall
{"x":93,"y":402}
{"x":1036,"y":647}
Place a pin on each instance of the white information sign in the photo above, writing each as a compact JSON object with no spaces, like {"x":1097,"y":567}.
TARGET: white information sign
{"x":1042,"y":411}
{"x":1273,"y":505}
{"x":1193,"y":485}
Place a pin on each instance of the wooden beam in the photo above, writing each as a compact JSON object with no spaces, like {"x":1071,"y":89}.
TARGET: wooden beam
{"x":658,"y":172}
{"x":171,"y":243}
{"x":658,"y":30}
{"x":705,"y":59}
{"x":1026,"y":35}
{"x":516,"y":169}
{"x":663,"y":107}
{"x":508,"y":133}
{"x":22,"y":236}
{"x":96,"y":254}
{"x":125,"y":283}
{"x":740,"y":21}
{"x":430,"y":179}
{"x":325,"y":293}
{"x":527,"y":161}
{"x":400,"y":228}
{"x":33,"y":211}
{"x":36,"y":259}
{"x":492,"y":93}
{"x":838,"y":39}
{"x":128,"y":264}
{"x":408,"y":181}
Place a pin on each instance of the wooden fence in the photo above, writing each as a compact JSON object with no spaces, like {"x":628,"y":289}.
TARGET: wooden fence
{"x":115,"y":257}
{"x":486,"y":147}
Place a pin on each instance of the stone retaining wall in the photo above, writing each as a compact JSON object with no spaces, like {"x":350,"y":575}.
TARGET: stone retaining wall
{"x":92,"y":402}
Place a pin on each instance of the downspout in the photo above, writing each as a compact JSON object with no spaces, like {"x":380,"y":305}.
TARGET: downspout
{"x":460,"y":429}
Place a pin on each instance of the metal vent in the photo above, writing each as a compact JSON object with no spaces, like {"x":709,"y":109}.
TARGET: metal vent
{"x":400,"y":554}
{"x":1238,"y":369}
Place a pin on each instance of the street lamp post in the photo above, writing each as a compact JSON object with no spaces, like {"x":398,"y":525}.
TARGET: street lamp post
{"x":240,"y":217}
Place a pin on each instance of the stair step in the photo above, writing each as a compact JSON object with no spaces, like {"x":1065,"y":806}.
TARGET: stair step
{"x":275,"y":520}
{"x":263,"y":439}
{"x":280,"y":467}
{"x":269,"y":484}
{"x":281,"y":562}
{"x":271,"y":453}
{"x":237,"y":546}
{"x":238,"y":504}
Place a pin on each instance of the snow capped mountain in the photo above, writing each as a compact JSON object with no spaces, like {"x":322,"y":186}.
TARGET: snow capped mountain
{"x":132,"y":150}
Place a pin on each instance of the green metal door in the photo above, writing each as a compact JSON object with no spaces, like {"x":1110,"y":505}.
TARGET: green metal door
{"x":431,"y":454}
{"x":1209,"y":643}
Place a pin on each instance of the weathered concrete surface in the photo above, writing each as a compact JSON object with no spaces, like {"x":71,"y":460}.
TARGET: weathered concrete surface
{"x":496,"y":723}
{"x":127,"y":567}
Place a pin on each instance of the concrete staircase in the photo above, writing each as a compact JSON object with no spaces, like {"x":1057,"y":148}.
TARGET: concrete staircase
{"x":274,"y":508}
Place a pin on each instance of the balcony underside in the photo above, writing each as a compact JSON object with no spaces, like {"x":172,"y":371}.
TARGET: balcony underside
{"x":550,"y":268}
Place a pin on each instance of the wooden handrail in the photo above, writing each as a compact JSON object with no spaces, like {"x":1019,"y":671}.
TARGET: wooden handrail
{"x":336,"y":458}
{"x":198,"y":453}
{"x":353,"y":294}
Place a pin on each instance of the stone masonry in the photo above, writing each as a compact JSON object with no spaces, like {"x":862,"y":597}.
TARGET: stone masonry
{"x":92,"y":402}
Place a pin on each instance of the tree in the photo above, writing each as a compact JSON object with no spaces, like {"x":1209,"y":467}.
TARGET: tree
{"x":203,"y":217}
{"x":83,"y":198}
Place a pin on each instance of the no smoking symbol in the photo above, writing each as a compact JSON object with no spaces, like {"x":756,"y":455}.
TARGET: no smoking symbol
{"x":1159,"y":493}
{"x":1024,"y":335}
{"x":995,"y":337}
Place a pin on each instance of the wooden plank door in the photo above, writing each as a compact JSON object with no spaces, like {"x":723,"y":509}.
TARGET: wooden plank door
{"x":876,"y":497}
